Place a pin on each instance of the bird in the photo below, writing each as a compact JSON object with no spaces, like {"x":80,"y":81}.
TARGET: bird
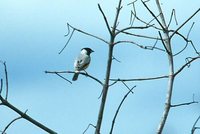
{"x":82,"y":61}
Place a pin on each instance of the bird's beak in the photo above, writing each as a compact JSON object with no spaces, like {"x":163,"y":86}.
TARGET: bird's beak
{"x":92,"y":51}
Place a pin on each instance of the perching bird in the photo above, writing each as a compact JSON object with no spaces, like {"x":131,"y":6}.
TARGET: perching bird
{"x":82,"y":61}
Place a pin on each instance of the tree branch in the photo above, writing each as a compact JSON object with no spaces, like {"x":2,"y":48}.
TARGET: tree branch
{"x":129,"y":28}
{"x":1,"y":87}
{"x":187,"y":103}
{"x":25,"y":116}
{"x":155,"y":17}
{"x":68,"y":39}
{"x":167,"y":44}
{"x":80,"y":31}
{"x":4,"y":131}
{"x":117,"y":111}
{"x":105,"y":19}
{"x":6,"y":75}
{"x":157,"y":77}
{"x":64,"y":72}
{"x":141,"y":36}
{"x":173,"y":13}
{"x":141,"y":79}
{"x":108,"y":70}
{"x":186,"y":64}
{"x":184,"y":23}
{"x":130,"y":89}
{"x":194,"y":126}
{"x":88,"y":128}
{"x":141,"y":46}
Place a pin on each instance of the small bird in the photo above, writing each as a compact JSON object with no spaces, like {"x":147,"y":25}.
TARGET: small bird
{"x":82,"y":61}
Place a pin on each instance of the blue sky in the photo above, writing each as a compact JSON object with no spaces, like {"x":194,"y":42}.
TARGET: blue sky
{"x":31,"y":35}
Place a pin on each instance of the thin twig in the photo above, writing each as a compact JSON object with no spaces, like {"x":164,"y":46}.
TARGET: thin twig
{"x":132,"y":19}
{"x":68,"y":26}
{"x":25,"y":116}
{"x":1,"y":87}
{"x":142,"y":79}
{"x":130,"y":28}
{"x":141,"y":46}
{"x":88,"y":128}
{"x":4,"y":131}
{"x":184,"y":23}
{"x":141,"y":36}
{"x":105,"y":19}
{"x":159,"y":77}
{"x":173,"y":13}
{"x":82,"y":73}
{"x":114,"y":58}
{"x":186,"y":64}
{"x":6,"y":75}
{"x":80,"y":31}
{"x":117,"y":111}
{"x":187,"y":103}
{"x":63,"y":78}
{"x":130,"y":89}
{"x":153,"y":14}
{"x":187,"y":41}
{"x":194,"y":126}
{"x":113,"y":83}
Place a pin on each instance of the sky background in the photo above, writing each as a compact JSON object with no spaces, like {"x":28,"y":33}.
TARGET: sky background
{"x":31,"y":35}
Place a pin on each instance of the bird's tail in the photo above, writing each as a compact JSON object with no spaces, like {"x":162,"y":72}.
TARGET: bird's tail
{"x":75,"y":77}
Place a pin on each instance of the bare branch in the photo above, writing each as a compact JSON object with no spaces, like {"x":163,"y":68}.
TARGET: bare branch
{"x":25,"y":116}
{"x":133,"y":13}
{"x":132,"y":19}
{"x":82,"y":73}
{"x":141,"y":46}
{"x":108,"y":70}
{"x":186,"y":64}
{"x":184,"y":23}
{"x":114,"y":58}
{"x":158,"y":77}
{"x":88,"y":128}
{"x":130,"y":28}
{"x":4,"y":131}
{"x":173,"y":13}
{"x":80,"y":31}
{"x":117,"y":111}
{"x":1,"y":87}
{"x":113,"y":83}
{"x":105,"y":19}
{"x":130,"y":89}
{"x":183,"y":104}
{"x":68,"y":38}
{"x":187,"y":41}
{"x":153,"y":15}
{"x":142,"y":79}
{"x":141,"y":36}
{"x":194,"y":126}
{"x":6,"y":75}
{"x":63,"y":77}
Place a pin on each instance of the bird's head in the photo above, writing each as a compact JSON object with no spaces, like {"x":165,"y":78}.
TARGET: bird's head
{"x":86,"y":50}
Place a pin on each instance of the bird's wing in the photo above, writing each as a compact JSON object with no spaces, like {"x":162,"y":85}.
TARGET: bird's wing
{"x":81,"y":62}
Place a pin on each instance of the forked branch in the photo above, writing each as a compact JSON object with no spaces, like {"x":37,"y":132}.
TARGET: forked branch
{"x":72,"y":72}
{"x":4,"y":101}
{"x":80,"y":31}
